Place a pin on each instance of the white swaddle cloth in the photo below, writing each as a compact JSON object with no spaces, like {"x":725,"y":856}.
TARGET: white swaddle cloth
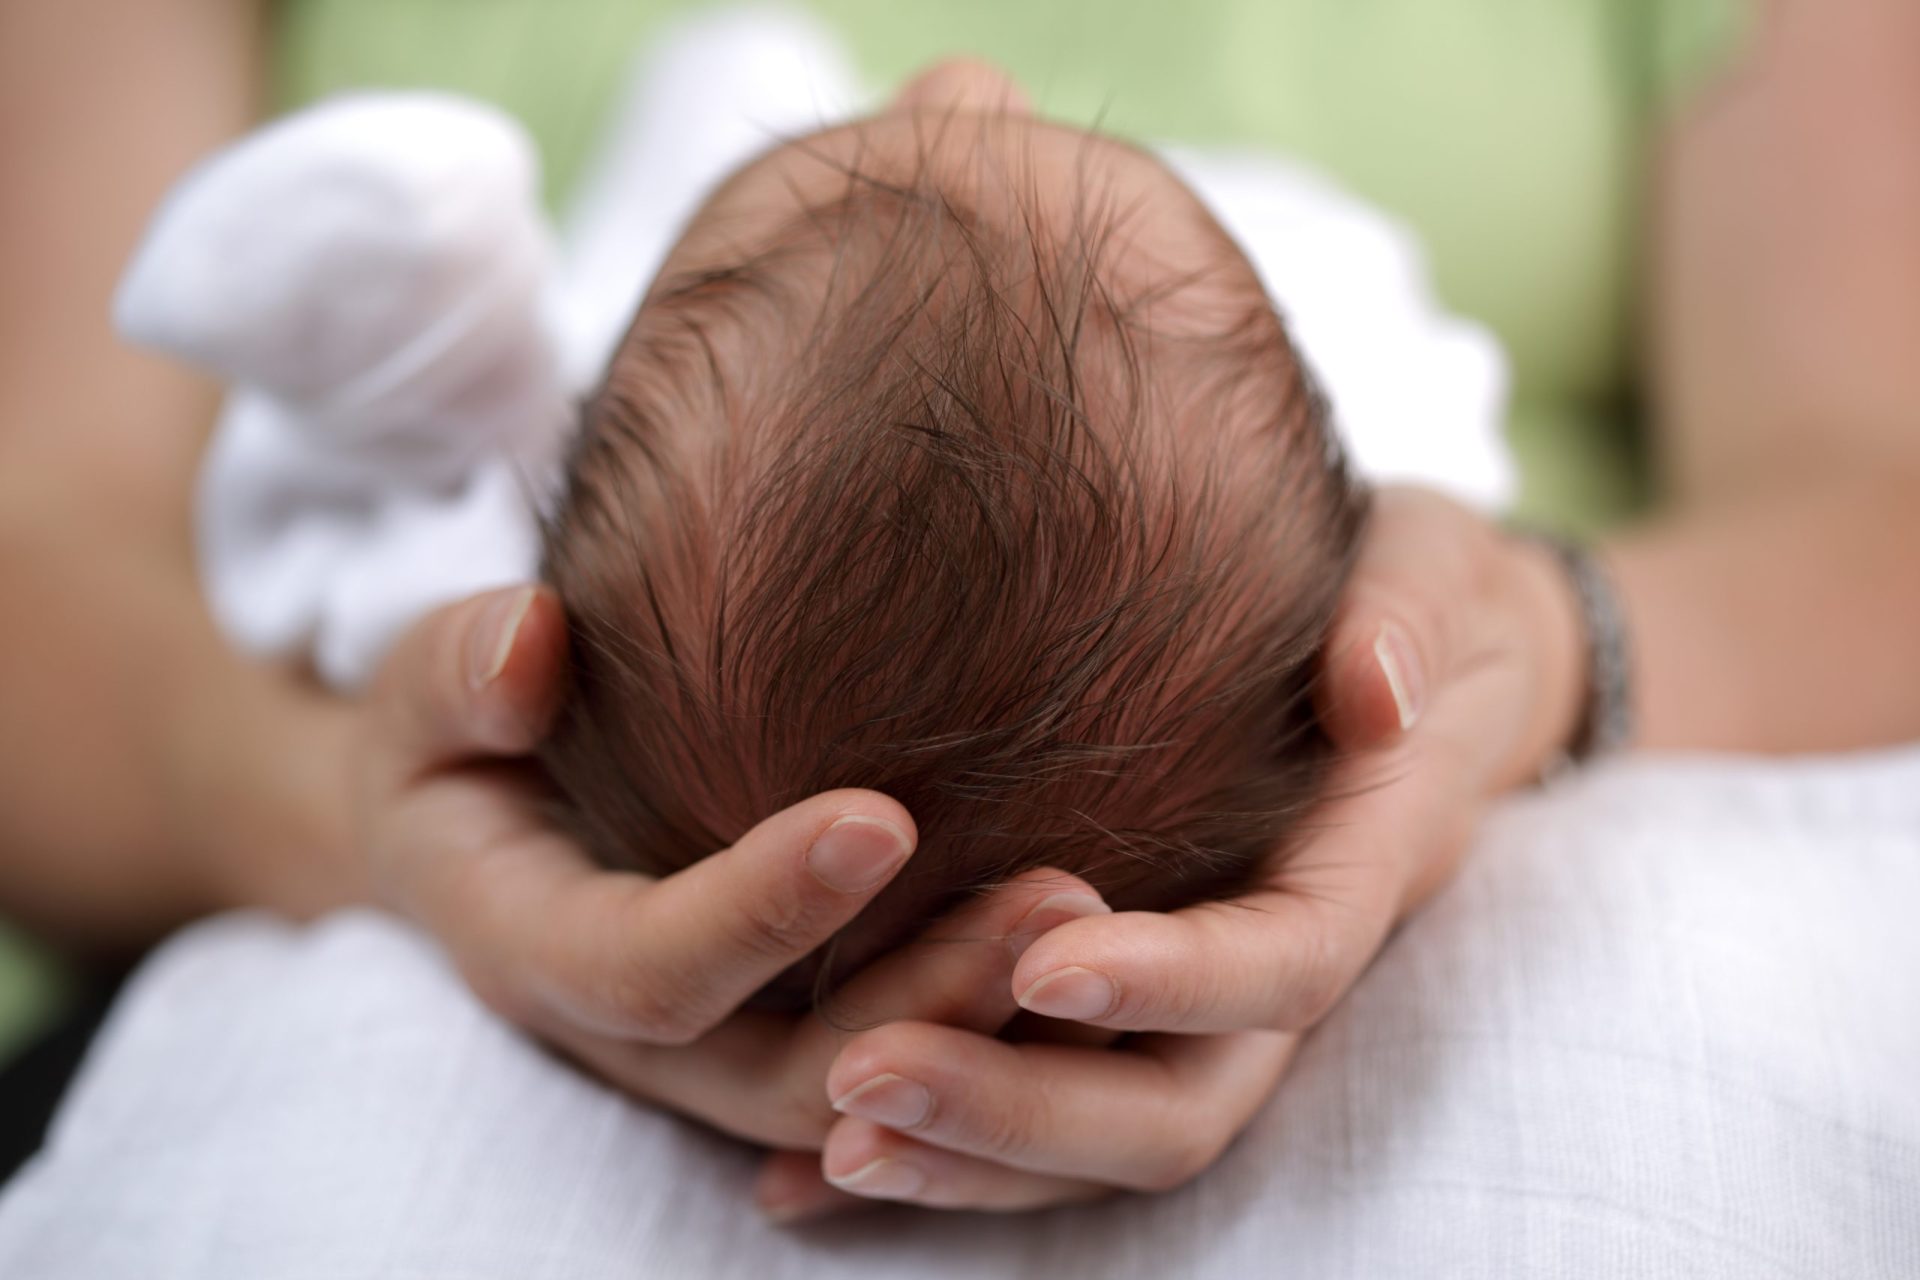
{"x":1664,"y":1024}
{"x":374,"y":279}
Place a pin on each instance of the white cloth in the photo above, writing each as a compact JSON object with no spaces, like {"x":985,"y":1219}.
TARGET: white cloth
{"x":1664,"y":1024}
{"x":373,"y":277}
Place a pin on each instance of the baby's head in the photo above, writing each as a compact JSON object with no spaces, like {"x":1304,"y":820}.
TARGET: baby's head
{"x":958,"y":456}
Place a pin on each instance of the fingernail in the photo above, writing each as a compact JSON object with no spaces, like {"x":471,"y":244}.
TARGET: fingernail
{"x":491,"y":642}
{"x":857,"y":853}
{"x":1394,"y":652}
{"x":890,"y":1100}
{"x":1050,"y":913}
{"x":1073,"y":993}
{"x":787,"y":1191}
{"x":885,"y":1179}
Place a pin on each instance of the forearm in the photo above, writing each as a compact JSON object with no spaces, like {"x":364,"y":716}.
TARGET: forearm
{"x":1785,"y":254}
{"x":145,"y":773}
{"x":1777,"y":606}
{"x":1784,"y":620}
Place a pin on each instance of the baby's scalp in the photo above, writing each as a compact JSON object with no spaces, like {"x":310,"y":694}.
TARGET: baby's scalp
{"x":966,"y":474}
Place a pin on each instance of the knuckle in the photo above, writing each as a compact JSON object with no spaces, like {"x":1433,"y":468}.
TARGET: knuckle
{"x":654,"y":1005}
{"x":1316,"y":999}
{"x":1179,"y":1164}
{"x":1005,"y":1125}
{"x":1003,"y":1130}
{"x":1315,"y":986}
{"x":671,"y":1026}
{"x":778,"y":929}
{"x":798,"y":1114}
{"x":1343,"y":920}
{"x":895,"y":1047}
{"x":795,"y":1110}
{"x":670,"y":1032}
{"x":1181,"y":1142}
{"x":1183,"y":995}
{"x":1185,"y":991}
{"x":1192,"y":1137}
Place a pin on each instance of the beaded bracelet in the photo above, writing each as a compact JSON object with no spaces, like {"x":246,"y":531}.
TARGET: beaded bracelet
{"x":1606,"y":721}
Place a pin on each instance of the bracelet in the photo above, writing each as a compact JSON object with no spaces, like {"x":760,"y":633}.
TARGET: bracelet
{"x":1606,"y":722}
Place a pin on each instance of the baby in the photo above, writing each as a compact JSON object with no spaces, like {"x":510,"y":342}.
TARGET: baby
{"x":952,"y":453}
{"x":961,"y":456}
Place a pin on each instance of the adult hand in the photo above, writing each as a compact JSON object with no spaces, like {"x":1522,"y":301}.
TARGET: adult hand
{"x":1454,"y":671}
{"x":637,"y":978}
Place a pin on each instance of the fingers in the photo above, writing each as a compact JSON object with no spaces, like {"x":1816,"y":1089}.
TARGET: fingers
{"x":963,"y":85}
{"x":791,"y":1188}
{"x":538,"y":928}
{"x":1275,"y":961}
{"x":876,"y":1164}
{"x":729,"y":1078}
{"x":1278,"y":958}
{"x":879,"y":1164}
{"x":1376,"y":678}
{"x":958,"y":972}
{"x":761,"y":1078}
{"x":1147,"y":1118}
{"x":480,"y":677}
{"x":664,"y":961}
{"x":865,"y":1162}
{"x":1396,"y":636}
{"x":1426,"y":689}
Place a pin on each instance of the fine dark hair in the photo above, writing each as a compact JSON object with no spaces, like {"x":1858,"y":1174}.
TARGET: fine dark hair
{"x":919,"y":499}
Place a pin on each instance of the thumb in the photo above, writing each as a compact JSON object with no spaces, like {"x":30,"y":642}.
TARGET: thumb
{"x":1395,"y":638}
{"x":481,"y":677}
{"x":1374,"y":678}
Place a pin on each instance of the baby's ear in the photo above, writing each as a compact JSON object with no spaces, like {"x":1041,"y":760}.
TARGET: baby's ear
{"x":963,"y":86}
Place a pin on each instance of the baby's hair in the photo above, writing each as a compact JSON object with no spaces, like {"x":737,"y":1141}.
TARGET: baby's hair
{"x":919,"y":499}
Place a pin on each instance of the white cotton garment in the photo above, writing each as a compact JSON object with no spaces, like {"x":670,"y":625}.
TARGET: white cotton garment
{"x":375,"y":280}
{"x":1663,"y":1024}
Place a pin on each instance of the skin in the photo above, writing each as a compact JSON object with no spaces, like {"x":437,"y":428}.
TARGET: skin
{"x":146,"y":776}
{"x":1772,"y":604}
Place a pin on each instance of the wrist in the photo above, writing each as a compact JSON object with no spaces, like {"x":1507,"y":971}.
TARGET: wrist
{"x":268,"y":794}
{"x":1555,"y":646}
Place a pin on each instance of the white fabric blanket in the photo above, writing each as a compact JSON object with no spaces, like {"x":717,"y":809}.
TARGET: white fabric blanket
{"x":376,"y":281}
{"x":1664,"y":1024}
